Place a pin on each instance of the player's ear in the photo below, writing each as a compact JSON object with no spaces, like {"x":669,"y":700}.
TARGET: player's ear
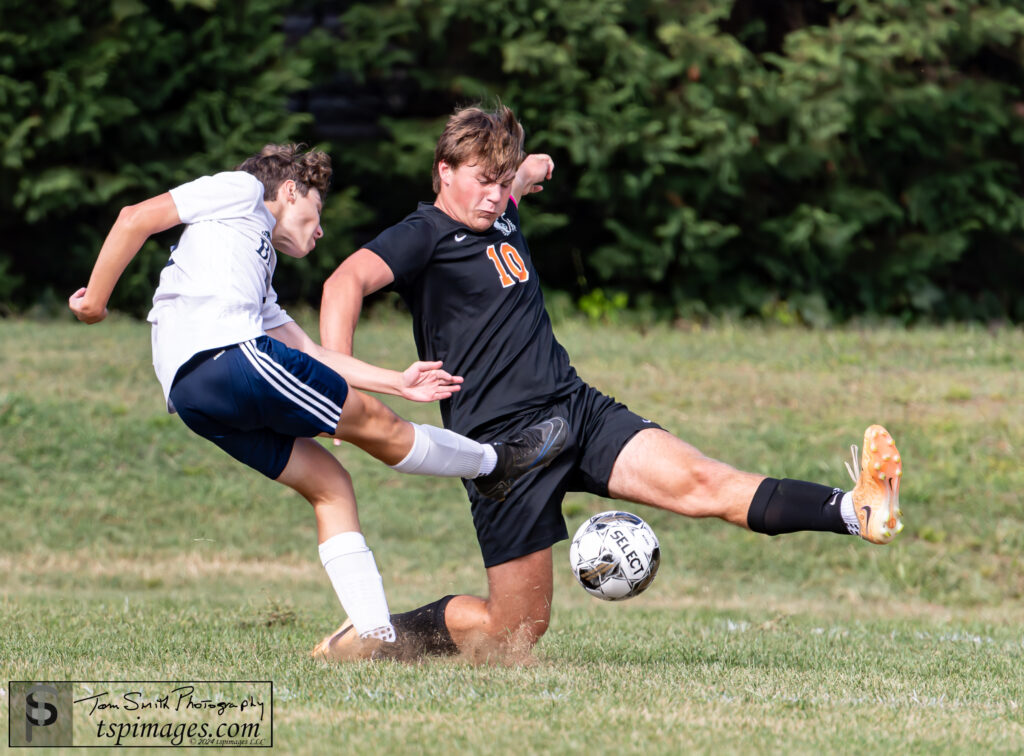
{"x":444,"y":170}
{"x":287,"y":191}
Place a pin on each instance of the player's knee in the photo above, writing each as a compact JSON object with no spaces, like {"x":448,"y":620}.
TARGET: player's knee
{"x":329,"y":490}
{"x":522,"y":632}
{"x":520,"y":642}
{"x":536,"y":628}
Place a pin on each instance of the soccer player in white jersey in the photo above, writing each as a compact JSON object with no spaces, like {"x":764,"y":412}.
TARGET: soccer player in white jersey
{"x":241,"y":373}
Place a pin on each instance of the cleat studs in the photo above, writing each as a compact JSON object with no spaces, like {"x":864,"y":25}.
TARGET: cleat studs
{"x":874,"y":448}
{"x":899,"y":472}
{"x":881,"y":476}
{"x":896,"y":458}
{"x":878,"y":466}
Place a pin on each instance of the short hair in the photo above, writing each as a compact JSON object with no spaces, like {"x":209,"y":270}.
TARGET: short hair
{"x":492,"y":139}
{"x":277,"y":163}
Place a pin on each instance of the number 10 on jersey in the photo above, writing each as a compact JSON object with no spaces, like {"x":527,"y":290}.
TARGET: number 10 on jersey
{"x":509,"y":264}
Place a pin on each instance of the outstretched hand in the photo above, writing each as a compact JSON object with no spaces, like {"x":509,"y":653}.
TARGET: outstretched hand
{"x":427,"y":382}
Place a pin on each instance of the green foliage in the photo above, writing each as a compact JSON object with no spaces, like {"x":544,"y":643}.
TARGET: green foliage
{"x":598,"y":306}
{"x":731,"y":153}
{"x":104,"y":104}
{"x":790,"y":160}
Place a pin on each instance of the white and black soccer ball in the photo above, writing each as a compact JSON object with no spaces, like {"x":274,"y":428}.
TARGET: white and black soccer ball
{"x":615,"y":555}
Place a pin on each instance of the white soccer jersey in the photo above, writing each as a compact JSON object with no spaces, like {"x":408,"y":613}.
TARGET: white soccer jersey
{"x":215,"y":290}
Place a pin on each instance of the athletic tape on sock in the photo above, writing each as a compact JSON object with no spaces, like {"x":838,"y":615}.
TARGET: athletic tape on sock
{"x":418,"y":452}
{"x":386,"y":634}
{"x":341,"y":544}
{"x":848,"y":513}
{"x":441,"y":452}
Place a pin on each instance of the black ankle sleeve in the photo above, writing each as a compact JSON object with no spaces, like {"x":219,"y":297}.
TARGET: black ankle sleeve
{"x":788,"y":506}
{"x":423,"y":631}
{"x":758,"y":505}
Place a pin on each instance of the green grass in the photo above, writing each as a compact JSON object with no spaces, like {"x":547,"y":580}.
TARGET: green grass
{"x":133,"y":550}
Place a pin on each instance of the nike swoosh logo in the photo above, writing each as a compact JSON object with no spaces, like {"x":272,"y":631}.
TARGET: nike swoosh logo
{"x":867,"y":515}
{"x":459,"y":237}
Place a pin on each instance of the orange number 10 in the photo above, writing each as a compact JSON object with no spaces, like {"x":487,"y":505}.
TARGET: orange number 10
{"x":513,"y":265}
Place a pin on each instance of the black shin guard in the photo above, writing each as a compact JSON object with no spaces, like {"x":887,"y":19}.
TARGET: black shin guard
{"x":423,"y":631}
{"x":787,"y":506}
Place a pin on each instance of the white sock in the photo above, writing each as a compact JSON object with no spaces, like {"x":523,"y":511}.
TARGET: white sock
{"x":849,"y":516}
{"x":356,"y":580}
{"x":436,"y":451}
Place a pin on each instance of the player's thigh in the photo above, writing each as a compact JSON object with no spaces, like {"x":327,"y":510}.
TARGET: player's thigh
{"x":520,"y":592}
{"x":661,"y":470}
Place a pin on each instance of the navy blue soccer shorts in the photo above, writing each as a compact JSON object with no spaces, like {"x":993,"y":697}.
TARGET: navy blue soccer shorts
{"x":530,"y":518}
{"x":255,"y":398}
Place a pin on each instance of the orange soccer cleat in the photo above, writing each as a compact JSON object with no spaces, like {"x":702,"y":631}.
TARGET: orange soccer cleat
{"x":876,"y":496}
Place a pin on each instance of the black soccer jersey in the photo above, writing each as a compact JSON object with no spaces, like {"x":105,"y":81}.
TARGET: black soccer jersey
{"x":476,"y":304}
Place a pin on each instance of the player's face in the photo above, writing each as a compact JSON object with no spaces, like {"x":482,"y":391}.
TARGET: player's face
{"x":298,"y":226}
{"x":471,"y":196}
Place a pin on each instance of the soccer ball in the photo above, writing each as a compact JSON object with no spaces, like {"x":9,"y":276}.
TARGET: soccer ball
{"x":615,"y":555}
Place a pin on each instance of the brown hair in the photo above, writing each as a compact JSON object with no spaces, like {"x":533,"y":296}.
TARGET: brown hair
{"x":492,"y":139}
{"x":276,"y":163}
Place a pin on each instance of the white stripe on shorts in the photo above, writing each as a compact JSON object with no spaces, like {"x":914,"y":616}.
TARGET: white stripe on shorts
{"x":325,"y":402}
{"x":309,"y":399}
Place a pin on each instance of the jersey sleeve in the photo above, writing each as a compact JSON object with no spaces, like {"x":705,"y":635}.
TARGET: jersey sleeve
{"x":231,"y":194}
{"x":406,"y":248}
{"x":273,"y":314}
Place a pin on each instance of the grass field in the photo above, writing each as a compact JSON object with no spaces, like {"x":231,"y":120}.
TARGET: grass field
{"x":135,"y":551}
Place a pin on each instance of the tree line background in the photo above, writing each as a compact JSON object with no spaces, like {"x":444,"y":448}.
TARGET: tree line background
{"x":790,"y":159}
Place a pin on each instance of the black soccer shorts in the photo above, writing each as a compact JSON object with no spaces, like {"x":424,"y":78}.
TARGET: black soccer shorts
{"x":530,"y":519}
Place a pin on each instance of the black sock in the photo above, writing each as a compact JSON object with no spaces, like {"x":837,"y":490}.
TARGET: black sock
{"x":786,"y":506}
{"x":423,"y":631}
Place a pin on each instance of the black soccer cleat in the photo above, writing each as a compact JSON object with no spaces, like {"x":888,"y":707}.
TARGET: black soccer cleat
{"x":529,"y":449}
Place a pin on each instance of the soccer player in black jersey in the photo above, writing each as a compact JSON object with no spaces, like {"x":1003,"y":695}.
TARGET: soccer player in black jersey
{"x":464,"y":268}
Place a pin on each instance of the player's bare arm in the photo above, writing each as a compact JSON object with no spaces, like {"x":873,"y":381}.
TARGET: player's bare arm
{"x":361,"y":274}
{"x":420,"y":382}
{"x":534,"y":169}
{"x":133,"y":226}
